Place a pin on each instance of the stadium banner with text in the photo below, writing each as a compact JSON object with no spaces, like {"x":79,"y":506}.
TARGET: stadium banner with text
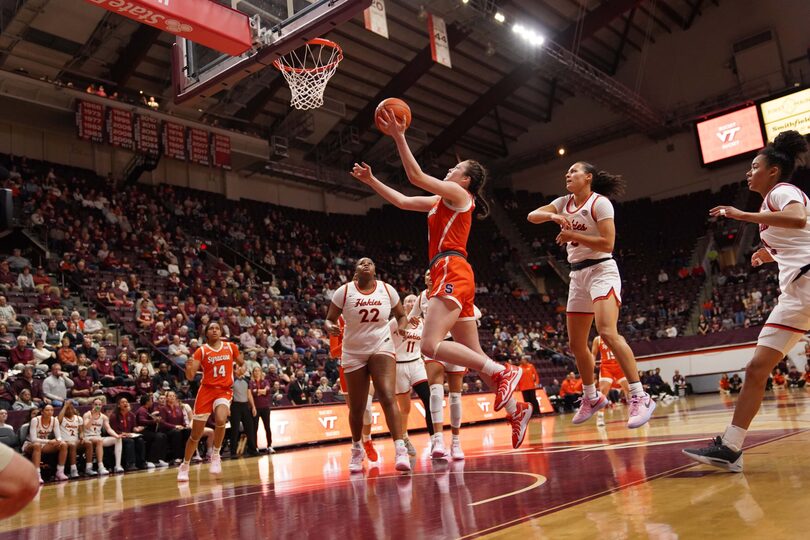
{"x":375,"y":19}
{"x":147,"y":135}
{"x":120,"y":128}
{"x":90,"y":121}
{"x":787,"y":112}
{"x":311,"y":424}
{"x":199,"y":150}
{"x":221,"y":151}
{"x":729,"y":135}
{"x":174,"y":140}
{"x":439,"y":44}
{"x":202,"y":21}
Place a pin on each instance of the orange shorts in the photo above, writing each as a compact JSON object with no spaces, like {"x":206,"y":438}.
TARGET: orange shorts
{"x":343,"y":386}
{"x":208,"y":398}
{"x":611,"y":372}
{"x":453,"y":278}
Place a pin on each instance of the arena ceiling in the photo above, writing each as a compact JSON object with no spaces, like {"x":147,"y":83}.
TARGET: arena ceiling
{"x":492,"y":95}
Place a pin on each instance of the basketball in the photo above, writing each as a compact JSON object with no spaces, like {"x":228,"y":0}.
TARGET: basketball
{"x":398,"y":107}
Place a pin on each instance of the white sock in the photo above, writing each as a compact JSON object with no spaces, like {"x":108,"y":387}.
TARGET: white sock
{"x":60,"y":468}
{"x":456,"y":439}
{"x":356,"y":444}
{"x":215,"y":452}
{"x":366,"y":437}
{"x":455,"y":409}
{"x":399,"y":443}
{"x":636,"y":389}
{"x":734,"y":437}
{"x":589,"y":391}
{"x":511,"y":406}
{"x":491,"y":367}
{"x":437,"y":403}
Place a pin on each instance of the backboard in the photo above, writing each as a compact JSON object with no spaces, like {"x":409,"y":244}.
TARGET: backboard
{"x":278,"y":26}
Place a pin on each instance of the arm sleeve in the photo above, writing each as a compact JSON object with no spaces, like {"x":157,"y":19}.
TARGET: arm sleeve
{"x":781,"y":196}
{"x":602,"y":209}
{"x":559,"y":203}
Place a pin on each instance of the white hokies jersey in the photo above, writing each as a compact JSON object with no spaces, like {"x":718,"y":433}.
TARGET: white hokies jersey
{"x":583,"y":220}
{"x":94,"y":430}
{"x":790,"y":248}
{"x":409,"y":346}
{"x":40,"y":432}
{"x":71,"y":428}
{"x":366,"y":316}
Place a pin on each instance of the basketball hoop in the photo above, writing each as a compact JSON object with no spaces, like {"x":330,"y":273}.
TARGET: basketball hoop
{"x":307,"y":73}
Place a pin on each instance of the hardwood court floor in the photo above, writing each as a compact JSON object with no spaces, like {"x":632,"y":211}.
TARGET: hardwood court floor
{"x":565,"y":482}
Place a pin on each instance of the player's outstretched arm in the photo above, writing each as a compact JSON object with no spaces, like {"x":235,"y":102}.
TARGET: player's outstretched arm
{"x":548,"y":213}
{"x":404,"y":202}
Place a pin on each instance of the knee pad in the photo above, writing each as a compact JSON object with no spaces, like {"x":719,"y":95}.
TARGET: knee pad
{"x":436,"y":403}
{"x":455,"y":409}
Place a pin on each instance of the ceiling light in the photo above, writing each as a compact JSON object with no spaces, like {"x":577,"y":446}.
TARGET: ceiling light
{"x":500,"y":17}
{"x":561,"y":151}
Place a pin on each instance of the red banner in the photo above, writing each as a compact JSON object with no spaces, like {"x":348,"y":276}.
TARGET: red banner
{"x":174,"y":141}
{"x":202,"y":21}
{"x":221,"y":151}
{"x":301,"y":425}
{"x":198,"y":149}
{"x":119,"y":128}
{"x":90,"y":121}
{"x":147,"y":135}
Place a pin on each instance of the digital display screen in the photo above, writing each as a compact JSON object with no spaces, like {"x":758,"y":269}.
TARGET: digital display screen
{"x":729,"y":135}
{"x":787,"y":112}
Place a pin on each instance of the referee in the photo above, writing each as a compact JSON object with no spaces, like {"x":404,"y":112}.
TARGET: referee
{"x":242,"y":411}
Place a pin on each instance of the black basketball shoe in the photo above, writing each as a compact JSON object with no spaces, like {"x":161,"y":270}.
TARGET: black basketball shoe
{"x":717,"y":454}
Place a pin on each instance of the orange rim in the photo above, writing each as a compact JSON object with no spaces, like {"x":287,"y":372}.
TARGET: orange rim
{"x":317,"y":41}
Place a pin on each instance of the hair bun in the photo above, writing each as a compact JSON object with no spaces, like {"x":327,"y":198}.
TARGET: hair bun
{"x":792,"y":143}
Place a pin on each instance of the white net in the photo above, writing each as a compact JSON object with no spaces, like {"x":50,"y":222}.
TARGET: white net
{"x":307,"y":71}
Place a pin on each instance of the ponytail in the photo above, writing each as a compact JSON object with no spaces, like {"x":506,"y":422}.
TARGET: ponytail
{"x":783,"y":150}
{"x":604,"y":183}
{"x":478,"y":180}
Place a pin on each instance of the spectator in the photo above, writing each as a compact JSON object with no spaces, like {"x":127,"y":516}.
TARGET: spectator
{"x":735,"y":383}
{"x":260,"y":389}
{"x":724,"y":386}
{"x":703,"y":326}
{"x":42,"y":356}
{"x":66,"y":356}
{"x":679,"y":383}
{"x":87,"y":349}
{"x":298,"y":390}
{"x":144,"y":362}
{"x":16,"y":262}
{"x":24,"y":402}
{"x":173,"y":424}
{"x":163,"y":377}
{"x":52,"y":336}
{"x":123,"y":422}
{"x":662,"y":276}
{"x":570,"y":391}
{"x":8,"y":317}
{"x":93,"y":327}
{"x":104,"y":369}
{"x":84,"y":389}
{"x":529,"y":382}
{"x":55,"y":387}
{"x":479,"y":386}
{"x":26,"y":381}
{"x":7,"y":434}
{"x":148,"y":422}
{"x":779,"y":381}
{"x":25,"y":280}
{"x":23,"y":355}
{"x":124,"y":372}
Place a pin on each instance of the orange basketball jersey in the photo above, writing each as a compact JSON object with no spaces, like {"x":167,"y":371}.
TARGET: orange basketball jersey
{"x":608,"y":359}
{"x":217,"y":364}
{"x":449,"y":228}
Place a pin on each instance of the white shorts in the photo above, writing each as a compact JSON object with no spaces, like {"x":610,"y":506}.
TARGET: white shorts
{"x":597,"y":282}
{"x":790,"y":319}
{"x":409,"y":374}
{"x":353,"y":361}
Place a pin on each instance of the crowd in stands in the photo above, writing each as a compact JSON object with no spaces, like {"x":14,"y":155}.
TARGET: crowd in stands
{"x":110,"y":321}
